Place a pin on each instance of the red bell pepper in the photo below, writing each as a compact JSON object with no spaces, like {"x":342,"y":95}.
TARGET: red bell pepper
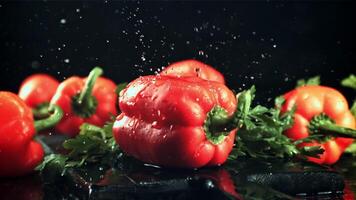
{"x":312,"y":101}
{"x":91,"y":100}
{"x":193,"y":68}
{"x":19,"y":153}
{"x":163,"y":118}
{"x":38,"y":89}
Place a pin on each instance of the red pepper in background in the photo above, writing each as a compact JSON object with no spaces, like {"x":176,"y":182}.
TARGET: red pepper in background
{"x":311,"y":101}
{"x":19,"y":153}
{"x":163,"y":118}
{"x":38,"y":89}
{"x":91,"y":100}
{"x":195,"y":68}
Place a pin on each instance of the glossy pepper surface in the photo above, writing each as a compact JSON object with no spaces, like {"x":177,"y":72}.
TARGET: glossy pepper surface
{"x":162,"y":121}
{"x":38,"y":89}
{"x":195,"y":68}
{"x":91,"y":100}
{"x":311,"y":101}
{"x":19,"y":153}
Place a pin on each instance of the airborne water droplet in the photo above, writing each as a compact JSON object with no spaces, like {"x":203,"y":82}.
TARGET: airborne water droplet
{"x":63,"y":21}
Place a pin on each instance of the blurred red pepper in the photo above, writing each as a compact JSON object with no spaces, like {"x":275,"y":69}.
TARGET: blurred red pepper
{"x":38,"y":89}
{"x":91,"y":100}
{"x":19,"y":153}
{"x":193,"y":68}
{"x":163,"y":118}
{"x":312,"y":101}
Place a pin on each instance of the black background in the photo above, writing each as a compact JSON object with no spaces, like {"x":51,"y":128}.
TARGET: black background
{"x":269,"y":44}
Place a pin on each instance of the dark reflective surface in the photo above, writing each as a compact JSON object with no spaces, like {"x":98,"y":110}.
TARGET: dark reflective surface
{"x":128,"y":178}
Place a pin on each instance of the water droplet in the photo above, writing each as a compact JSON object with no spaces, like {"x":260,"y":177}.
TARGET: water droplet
{"x":63,"y":21}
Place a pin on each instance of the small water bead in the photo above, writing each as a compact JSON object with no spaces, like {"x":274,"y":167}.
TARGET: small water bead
{"x":63,"y":21}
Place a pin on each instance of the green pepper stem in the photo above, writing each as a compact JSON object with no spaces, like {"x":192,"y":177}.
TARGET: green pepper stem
{"x":55,"y":116}
{"x":41,"y":111}
{"x":322,"y":124}
{"x":84,"y":104}
{"x":219,"y":124}
{"x":89,"y":84}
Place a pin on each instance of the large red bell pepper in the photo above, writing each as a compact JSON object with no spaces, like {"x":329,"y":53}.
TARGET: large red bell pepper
{"x":19,"y":153}
{"x":163,"y":118}
{"x":312,"y":101}
{"x":193,"y":68}
{"x":91,"y":100}
{"x":38,"y":89}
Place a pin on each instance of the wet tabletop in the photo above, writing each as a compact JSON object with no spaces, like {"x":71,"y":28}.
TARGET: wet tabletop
{"x":127,"y":178}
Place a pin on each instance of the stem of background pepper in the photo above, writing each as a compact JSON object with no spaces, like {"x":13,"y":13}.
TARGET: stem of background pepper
{"x":55,"y":116}
{"x":322,"y":124}
{"x":84,"y":103}
{"x":41,"y":111}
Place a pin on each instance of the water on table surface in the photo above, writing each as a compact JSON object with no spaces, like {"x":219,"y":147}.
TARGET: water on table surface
{"x":128,"y":178}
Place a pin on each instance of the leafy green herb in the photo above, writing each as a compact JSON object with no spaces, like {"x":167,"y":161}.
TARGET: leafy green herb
{"x":349,"y":82}
{"x":261,"y":131}
{"x":93,"y":145}
{"x":119,"y":88}
{"x":311,"y":81}
{"x":353,"y":109}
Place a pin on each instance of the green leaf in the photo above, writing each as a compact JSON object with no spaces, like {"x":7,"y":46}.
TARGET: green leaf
{"x":120,"y":87}
{"x":245,"y":99}
{"x":351,"y":149}
{"x":261,"y":131}
{"x":93,"y":145}
{"x":349,"y":82}
{"x":53,"y":159}
{"x":310,"y":81}
{"x":353,"y":109}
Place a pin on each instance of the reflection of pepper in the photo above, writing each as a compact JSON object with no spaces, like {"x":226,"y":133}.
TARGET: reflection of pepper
{"x":348,"y":193}
{"x":38,"y":89}
{"x":312,"y":101}
{"x":193,"y":68}
{"x":163,"y":121}
{"x":91,"y":100}
{"x":19,"y":154}
{"x":223,"y":180}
